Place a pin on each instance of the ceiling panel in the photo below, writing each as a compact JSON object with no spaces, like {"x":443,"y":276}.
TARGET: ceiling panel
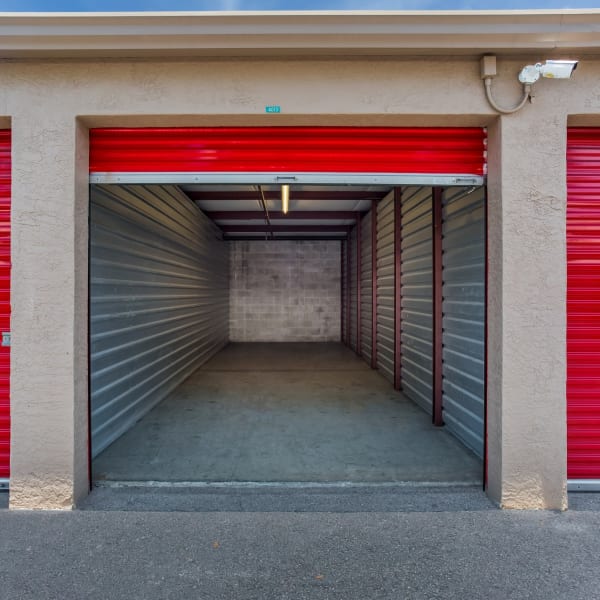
{"x":220,"y":199}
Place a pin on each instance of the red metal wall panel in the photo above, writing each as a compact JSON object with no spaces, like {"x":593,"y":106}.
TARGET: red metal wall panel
{"x":450,"y":150}
{"x":583,"y":303}
{"x":5,"y":182}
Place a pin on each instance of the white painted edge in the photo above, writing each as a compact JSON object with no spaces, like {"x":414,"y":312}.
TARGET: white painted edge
{"x":283,"y":484}
{"x":583,"y":485}
{"x":392,"y":179}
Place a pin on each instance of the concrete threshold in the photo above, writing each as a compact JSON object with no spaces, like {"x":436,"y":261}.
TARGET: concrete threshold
{"x":284,"y":484}
{"x":337,"y":497}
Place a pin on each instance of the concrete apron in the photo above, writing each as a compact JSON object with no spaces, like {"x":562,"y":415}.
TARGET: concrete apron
{"x":289,"y":414}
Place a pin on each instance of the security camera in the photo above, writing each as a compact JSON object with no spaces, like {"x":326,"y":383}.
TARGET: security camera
{"x":530,"y":74}
{"x":553,"y":69}
{"x":558,"y":69}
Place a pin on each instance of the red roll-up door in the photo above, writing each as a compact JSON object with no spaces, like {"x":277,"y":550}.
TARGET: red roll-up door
{"x":583,"y":303}
{"x":452,"y":150}
{"x":5,"y":181}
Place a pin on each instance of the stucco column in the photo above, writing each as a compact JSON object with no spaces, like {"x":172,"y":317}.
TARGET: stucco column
{"x":49,"y":467}
{"x":526,"y":309}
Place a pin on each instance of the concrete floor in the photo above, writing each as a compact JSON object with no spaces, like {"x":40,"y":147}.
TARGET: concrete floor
{"x":287,"y":413}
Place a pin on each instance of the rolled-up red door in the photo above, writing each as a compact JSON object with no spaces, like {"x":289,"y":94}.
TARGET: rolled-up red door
{"x":5,"y":186}
{"x":583,"y":305}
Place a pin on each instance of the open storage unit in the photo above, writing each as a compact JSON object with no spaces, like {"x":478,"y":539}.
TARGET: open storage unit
{"x":384,"y":251}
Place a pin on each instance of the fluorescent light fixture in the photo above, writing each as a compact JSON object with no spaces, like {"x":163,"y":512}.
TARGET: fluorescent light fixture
{"x":285,"y":199}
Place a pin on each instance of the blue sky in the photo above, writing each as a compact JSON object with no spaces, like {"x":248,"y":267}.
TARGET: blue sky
{"x":138,"y":5}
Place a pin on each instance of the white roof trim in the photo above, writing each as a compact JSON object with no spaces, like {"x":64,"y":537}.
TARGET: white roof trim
{"x":314,"y":33}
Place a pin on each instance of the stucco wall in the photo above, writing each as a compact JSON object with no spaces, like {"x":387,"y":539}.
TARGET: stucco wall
{"x":284,"y":291}
{"x":526,"y":370}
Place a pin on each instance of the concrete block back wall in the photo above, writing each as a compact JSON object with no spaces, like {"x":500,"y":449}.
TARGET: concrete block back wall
{"x":284,"y":291}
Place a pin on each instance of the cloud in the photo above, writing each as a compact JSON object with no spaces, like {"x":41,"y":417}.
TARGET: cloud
{"x":230,"y":5}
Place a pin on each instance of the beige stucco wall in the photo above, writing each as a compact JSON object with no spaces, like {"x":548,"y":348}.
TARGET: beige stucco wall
{"x":51,"y":105}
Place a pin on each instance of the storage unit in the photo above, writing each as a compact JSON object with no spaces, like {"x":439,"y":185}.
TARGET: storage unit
{"x":160,"y":275}
{"x":5,"y":268}
{"x":583,"y":307}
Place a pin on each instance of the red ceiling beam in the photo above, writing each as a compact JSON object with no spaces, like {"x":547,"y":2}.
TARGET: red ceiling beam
{"x":260,"y":227}
{"x":294,"y":195}
{"x":236,"y":215}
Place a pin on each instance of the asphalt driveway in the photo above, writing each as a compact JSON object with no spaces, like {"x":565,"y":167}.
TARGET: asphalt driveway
{"x":368,"y":544}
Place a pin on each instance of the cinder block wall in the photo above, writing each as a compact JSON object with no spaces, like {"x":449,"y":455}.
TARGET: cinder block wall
{"x":284,"y":291}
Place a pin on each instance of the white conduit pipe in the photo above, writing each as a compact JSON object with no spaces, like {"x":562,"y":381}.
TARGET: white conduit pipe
{"x":506,"y":111}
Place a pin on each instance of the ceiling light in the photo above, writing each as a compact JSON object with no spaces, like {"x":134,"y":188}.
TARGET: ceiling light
{"x":285,"y":199}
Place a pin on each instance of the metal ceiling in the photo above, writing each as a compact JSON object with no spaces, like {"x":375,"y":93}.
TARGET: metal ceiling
{"x":316,"y":211}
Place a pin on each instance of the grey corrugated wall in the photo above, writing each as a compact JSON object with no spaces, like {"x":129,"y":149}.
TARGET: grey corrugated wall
{"x":417,"y":295}
{"x":344,"y":294}
{"x":385,"y":287}
{"x":353,"y":289}
{"x":463,"y":263}
{"x":365,"y":290}
{"x":159,"y":300}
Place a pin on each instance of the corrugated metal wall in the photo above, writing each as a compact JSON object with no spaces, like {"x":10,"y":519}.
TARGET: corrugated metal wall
{"x":463,"y":292}
{"x":385,"y":287}
{"x":353,"y":289}
{"x":366,"y":284}
{"x":583,"y":303}
{"x":5,"y":268}
{"x":344,"y":294}
{"x":417,"y":296}
{"x":159,"y":300}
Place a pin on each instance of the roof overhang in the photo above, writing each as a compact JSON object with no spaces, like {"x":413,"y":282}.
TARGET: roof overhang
{"x":285,"y":34}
